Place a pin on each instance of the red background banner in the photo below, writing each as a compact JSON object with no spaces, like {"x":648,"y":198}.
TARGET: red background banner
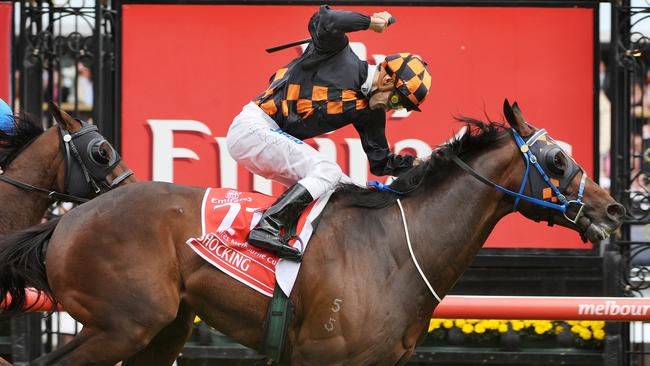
{"x":187,"y":70}
{"x":5,"y":50}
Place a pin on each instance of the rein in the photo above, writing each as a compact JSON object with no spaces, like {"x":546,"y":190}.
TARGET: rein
{"x":52,"y":194}
{"x":417,"y":265}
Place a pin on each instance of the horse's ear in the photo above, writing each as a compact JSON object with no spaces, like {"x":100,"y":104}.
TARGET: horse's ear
{"x":65,"y":120}
{"x":515,"y":118}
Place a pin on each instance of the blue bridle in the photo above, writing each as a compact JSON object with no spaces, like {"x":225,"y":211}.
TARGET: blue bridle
{"x":530,"y":159}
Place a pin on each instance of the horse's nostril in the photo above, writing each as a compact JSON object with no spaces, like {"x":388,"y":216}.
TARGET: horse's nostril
{"x":615,"y":211}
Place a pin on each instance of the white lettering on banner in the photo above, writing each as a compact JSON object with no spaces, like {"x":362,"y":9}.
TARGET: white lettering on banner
{"x":422,"y":149}
{"x":164,"y":152}
{"x":359,"y":49}
{"x":378,"y":58}
{"x":401,"y":113}
{"x":358,"y":161}
{"x":227,"y":165}
{"x":233,"y":258}
{"x":262,"y":185}
{"x":612,"y":308}
{"x":327,"y":147}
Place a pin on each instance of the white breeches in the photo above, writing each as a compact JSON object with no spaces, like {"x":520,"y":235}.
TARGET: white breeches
{"x":256,"y":142}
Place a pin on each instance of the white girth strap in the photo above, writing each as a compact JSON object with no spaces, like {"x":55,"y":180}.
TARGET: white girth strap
{"x":408,"y":241}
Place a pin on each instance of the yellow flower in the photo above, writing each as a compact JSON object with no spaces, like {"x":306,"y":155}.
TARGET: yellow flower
{"x":585,"y":329}
{"x":599,"y":334}
{"x":540,"y":330}
{"x":197,"y":319}
{"x":599,"y":324}
{"x":491,"y":324}
{"x":433,"y":325}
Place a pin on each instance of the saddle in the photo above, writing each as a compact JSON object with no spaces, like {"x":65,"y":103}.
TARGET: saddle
{"x":227,"y":216}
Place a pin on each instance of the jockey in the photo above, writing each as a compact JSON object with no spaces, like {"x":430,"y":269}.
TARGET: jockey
{"x":324,"y":89}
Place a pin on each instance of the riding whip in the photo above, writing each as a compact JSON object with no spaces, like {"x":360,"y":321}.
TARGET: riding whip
{"x":391,"y":20}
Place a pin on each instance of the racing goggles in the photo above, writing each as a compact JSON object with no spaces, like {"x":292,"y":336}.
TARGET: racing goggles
{"x":395,"y":101}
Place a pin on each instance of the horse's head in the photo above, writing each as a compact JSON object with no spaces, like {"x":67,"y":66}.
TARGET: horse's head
{"x":566,"y":195}
{"x":91,"y":164}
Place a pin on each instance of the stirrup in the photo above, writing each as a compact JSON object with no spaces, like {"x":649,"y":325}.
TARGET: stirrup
{"x":290,"y":253}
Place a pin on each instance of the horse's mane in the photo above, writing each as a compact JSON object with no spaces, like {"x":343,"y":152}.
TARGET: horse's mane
{"x":477,"y":136}
{"x":26,"y":129}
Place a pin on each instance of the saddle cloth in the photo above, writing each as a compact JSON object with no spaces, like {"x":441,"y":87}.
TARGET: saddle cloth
{"x":227,"y":215}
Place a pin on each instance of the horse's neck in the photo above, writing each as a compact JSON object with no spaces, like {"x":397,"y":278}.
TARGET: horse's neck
{"x":449,"y":225}
{"x":36,"y":165}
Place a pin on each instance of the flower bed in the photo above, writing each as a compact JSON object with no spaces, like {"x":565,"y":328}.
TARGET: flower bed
{"x":515,"y":334}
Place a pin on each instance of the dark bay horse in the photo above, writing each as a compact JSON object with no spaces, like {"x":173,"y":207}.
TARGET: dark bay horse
{"x":119,"y":264}
{"x":38,"y":159}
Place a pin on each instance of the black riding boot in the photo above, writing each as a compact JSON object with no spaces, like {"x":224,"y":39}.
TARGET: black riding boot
{"x":269,"y":234}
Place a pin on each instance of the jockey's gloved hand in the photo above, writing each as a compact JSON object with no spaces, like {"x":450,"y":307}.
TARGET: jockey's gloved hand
{"x":379,"y":21}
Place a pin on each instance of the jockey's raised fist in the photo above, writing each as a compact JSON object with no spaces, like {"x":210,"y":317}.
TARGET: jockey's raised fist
{"x":379,"y":21}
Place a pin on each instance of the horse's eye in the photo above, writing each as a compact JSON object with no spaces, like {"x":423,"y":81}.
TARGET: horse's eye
{"x":100,"y":154}
{"x":558,"y":163}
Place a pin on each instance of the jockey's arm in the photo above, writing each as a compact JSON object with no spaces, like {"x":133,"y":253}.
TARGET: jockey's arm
{"x":373,"y":140}
{"x":327,"y":27}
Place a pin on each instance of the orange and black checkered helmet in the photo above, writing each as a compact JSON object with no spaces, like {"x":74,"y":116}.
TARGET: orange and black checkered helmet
{"x":412,"y":79}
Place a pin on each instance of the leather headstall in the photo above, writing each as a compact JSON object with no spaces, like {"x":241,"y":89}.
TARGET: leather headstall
{"x":89,"y":159}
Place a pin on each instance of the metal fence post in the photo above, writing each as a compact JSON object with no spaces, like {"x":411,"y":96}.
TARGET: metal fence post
{"x":614,"y":347}
{"x":26,"y":338}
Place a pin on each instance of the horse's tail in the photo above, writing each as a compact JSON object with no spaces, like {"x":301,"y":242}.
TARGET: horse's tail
{"x":22,"y":265}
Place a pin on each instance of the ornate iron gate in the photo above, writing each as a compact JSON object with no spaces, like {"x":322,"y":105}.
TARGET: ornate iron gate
{"x":64,"y":51}
{"x":68,"y":41}
{"x":628,"y":256}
